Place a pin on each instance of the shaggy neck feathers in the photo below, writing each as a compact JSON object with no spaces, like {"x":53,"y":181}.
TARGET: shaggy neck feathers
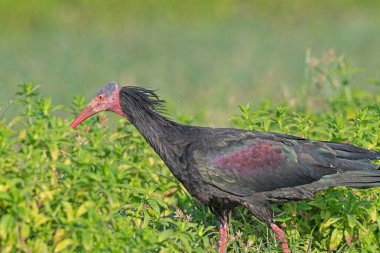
{"x":142,"y":107}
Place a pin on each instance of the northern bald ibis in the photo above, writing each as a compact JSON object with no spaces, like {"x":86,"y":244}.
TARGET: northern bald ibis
{"x":226,"y":167}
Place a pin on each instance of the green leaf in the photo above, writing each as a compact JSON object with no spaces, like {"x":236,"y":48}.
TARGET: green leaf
{"x":164,"y":235}
{"x":54,"y":152}
{"x":25,"y":230}
{"x":153,"y":204}
{"x":6,"y":226}
{"x":87,"y":241}
{"x":335,"y":239}
{"x":351,"y":219}
{"x":62,"y":245}
{"x":68,"y":208}
{"x":372,"y":212}
{"x":146,"y":220}
{"x":40,"y":219}
{"x":83,"y":208}
{"x":329,"y":222}
{"x":40,"y":246}
{"x":348,"y":237}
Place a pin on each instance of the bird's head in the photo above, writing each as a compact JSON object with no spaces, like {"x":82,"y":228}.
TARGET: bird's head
{"x":106,"y":99}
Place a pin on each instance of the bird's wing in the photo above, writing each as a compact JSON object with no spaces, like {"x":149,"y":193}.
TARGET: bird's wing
{"x":245,"y":162}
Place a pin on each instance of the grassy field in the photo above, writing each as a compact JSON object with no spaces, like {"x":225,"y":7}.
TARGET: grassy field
{"x":206,"y":58}
{"x":102,"y":190}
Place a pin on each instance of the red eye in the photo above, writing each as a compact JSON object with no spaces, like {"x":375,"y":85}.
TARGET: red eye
{"x":101,"y":97}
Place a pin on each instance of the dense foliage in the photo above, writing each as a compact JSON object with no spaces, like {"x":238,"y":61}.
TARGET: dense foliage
{"x":97,"y":190}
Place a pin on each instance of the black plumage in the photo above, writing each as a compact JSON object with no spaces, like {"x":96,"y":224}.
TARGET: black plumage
{"x":225,"y":167}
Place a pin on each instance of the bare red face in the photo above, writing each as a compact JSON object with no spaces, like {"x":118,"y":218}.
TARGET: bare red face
{"x":106,"y":99}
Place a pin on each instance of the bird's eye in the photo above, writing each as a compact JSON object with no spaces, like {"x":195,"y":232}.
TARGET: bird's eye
{"x":101,"y":97}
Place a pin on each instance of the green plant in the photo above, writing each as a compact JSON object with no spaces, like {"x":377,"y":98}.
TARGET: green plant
{"x":88,"y":191}
{"x":97,"y":190}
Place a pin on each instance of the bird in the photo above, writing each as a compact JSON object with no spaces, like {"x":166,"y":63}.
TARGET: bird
{"x":224,"y":168}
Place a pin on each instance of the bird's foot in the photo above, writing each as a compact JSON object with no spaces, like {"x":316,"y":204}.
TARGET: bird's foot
{"x":280,"y":236}
{"x":223,"y":237}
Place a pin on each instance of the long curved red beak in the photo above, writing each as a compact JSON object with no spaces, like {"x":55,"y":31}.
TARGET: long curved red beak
{"x":85,"y":114}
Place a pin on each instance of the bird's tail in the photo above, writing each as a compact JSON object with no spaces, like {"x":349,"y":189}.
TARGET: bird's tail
{"x":334,"y":157}
{"x":350,"y":157}
{"x":349,"y":151}
{"x":353,"y":169}
{"x":355,"y":179}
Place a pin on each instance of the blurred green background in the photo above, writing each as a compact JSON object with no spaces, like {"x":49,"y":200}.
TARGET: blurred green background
{"x":205,"y":57}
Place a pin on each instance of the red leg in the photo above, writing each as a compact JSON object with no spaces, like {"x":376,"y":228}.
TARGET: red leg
{"x":280,"y":236}
{"x":223,"y":237}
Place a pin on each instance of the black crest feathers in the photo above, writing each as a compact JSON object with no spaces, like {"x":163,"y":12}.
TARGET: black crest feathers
{"x":132,"y":97}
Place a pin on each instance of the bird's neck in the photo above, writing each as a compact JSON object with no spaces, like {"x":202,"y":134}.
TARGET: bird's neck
{"x":166,"y":137}
{"x":161,"y":133}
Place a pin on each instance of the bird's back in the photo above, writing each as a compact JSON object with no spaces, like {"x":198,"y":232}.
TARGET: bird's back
{"x":243,"y":163}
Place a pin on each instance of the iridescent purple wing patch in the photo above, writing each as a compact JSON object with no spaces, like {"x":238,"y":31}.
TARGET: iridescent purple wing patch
{"x":262,"y":154}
